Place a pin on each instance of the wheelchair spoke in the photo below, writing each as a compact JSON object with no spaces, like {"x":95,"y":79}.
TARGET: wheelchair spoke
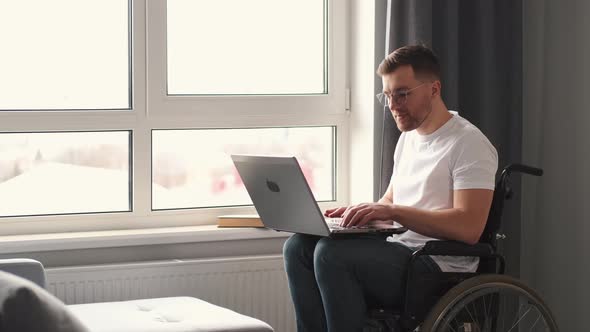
{"x":456,"y":323}
{"x":513,"y":326}
{"x":488,"y":311}
{"x":536,"y":321}
{"x":447,"y":324}
{"x":503,"y":312}
{"x":516,"y":320}
{"x":488,"y":322}
{"x":475,"y":312}
{"x":486,"y":315}
{"x":481,"y":310}
{"x":485,"y":307}
{"x":470,"y":315}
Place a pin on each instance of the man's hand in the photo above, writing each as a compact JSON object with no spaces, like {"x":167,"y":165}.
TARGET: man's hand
{"x":335,"y":212}
{"x":361,"y":214}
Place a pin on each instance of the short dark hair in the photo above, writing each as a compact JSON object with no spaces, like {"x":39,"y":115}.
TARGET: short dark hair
{"x":422,"y":59}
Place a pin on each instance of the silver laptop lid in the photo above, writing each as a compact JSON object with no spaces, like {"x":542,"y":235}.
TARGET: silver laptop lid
{"x":281,"y":194}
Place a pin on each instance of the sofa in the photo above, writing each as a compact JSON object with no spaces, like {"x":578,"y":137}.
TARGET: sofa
{"x":25,"y":306}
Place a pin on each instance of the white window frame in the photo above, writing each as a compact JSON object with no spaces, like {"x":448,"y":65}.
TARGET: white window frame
{"x":152,"y":110}
{"x":204,"y":106}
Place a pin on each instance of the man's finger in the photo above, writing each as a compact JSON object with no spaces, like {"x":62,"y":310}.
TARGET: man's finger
{"x":351,"y":210}
{"x":335,"y":212}
{"x":366,"y":219}
{"x":354,"y":217}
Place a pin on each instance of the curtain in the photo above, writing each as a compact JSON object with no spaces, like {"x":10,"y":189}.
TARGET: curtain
{"x":555,"y":209}
{"x":479,"y":45}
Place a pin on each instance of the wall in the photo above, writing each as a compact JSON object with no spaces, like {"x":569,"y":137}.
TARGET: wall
{"x":556,"y":211}
{"x":378,"y":111}
{"x":362,"y":71}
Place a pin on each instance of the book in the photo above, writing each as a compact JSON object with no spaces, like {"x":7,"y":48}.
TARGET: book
{"x":239,"y":220}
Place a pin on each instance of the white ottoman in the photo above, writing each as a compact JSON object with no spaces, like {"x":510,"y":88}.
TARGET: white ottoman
{"x":168,"y":314}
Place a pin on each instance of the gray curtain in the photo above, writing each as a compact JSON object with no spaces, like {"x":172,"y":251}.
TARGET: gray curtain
{"x":479,"y":44}
{"x":556,"y":102}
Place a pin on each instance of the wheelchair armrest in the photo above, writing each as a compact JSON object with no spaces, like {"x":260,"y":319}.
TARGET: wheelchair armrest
{"x":456,"y":248}
{"x":394,"y":230}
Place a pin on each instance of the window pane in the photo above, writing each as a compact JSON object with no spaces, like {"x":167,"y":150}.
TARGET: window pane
{"x":246,"y":47}
{"x":64,"y":54}
{"x":58,"y":173}
{"x":193,"y":168}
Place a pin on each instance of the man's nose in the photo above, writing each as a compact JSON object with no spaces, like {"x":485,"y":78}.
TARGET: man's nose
{"x":394,"y":108}
{"x":393,"y":105}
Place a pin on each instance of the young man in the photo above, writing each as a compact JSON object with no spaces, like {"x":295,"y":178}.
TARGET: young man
{"x":441,"y":188}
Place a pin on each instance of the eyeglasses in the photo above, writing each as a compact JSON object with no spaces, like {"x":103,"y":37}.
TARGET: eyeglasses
{"x":399,"y":98}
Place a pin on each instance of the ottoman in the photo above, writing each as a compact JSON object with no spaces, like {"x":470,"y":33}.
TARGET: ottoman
{"x":167,"y":314}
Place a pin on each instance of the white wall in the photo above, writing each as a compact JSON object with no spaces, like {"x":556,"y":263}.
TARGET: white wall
{"x":362,"y":50}
{"x":367,"y":48}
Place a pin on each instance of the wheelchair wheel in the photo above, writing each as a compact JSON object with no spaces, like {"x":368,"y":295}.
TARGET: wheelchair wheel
{"x":490,"y":303}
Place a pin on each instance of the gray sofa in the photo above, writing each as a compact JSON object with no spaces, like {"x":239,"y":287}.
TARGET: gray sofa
{"x":25,"y":306}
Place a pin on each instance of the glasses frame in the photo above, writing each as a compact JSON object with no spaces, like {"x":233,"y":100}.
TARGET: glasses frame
{"x":399,"y":98}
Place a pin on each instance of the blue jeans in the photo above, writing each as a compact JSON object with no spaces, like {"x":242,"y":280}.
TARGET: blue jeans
{"x":333,"y":282}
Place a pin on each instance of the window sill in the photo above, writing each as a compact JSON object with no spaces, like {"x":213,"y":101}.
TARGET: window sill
{"x":136,"y":237}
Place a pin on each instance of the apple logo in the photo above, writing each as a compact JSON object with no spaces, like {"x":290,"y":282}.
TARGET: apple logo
{"x":272,"y":186}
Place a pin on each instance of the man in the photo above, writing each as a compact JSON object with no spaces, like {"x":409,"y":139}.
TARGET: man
{"x":441,"y":188}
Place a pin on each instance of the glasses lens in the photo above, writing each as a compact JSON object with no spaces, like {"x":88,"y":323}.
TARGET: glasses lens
{"x":383,"y":99}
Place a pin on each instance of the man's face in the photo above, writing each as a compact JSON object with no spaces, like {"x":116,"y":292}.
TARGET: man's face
{"x":410,"y":100}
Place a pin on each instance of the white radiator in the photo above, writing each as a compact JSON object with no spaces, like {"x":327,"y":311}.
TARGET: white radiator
{"x":255,"y":286}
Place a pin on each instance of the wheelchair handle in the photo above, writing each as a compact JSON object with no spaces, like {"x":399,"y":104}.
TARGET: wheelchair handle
{"x":524,"y":169}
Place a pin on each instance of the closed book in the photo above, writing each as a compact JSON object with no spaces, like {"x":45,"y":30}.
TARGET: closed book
{"x":239,"y":220}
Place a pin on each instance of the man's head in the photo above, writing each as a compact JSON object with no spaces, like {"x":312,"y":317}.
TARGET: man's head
{"x":411,"y":83}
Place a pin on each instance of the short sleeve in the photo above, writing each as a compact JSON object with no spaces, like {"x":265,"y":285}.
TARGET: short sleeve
{"x":475,"y":163}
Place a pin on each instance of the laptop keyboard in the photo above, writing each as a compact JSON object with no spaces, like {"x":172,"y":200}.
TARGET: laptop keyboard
{"x":334,"y":223}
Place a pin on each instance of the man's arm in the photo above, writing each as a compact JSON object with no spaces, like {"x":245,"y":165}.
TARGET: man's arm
{"x":388,"y":196}
{"x":463,"y":222}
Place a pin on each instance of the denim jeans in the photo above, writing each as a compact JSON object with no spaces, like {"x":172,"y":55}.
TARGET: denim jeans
{"x":333,"y":282}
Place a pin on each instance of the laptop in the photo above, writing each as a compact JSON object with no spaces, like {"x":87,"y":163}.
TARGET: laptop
{"x":285,"y":202}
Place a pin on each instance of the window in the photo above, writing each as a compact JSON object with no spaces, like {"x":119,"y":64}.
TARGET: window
{"x":57,"y":173}
{"x":184,"y":176}
{"x":128,"y":110}
{"x":62,"y":55}
{"x":260,"y":57}
{"x":218,"y":47}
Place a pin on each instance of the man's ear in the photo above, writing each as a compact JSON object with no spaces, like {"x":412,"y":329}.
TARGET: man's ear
{"x":436,"y":87}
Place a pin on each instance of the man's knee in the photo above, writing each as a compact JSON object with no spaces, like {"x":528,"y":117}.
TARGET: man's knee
{"x":330,"y":261}
{"x":328,"y":252}
{"x":299,"y":246}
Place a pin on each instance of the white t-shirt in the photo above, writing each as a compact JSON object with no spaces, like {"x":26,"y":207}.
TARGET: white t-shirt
{"x":427,"y":168}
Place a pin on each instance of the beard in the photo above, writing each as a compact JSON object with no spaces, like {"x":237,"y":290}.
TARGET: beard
{"x":406,"y":121}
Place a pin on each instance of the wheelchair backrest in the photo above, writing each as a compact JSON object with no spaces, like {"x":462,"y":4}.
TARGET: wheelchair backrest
{"x":502,"y":192}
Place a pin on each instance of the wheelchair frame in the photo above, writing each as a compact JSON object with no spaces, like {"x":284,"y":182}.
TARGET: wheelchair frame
{"x":433,"y":286}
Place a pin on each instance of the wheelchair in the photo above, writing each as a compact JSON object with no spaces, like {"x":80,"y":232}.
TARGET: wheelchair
{"x":482,"y":301}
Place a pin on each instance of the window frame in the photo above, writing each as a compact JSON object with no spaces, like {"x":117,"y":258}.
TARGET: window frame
{"x":153,"y":111}
{"x":333,"y":102}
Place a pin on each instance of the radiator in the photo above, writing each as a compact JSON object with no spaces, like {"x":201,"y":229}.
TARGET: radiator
{"x":255,"y":286}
